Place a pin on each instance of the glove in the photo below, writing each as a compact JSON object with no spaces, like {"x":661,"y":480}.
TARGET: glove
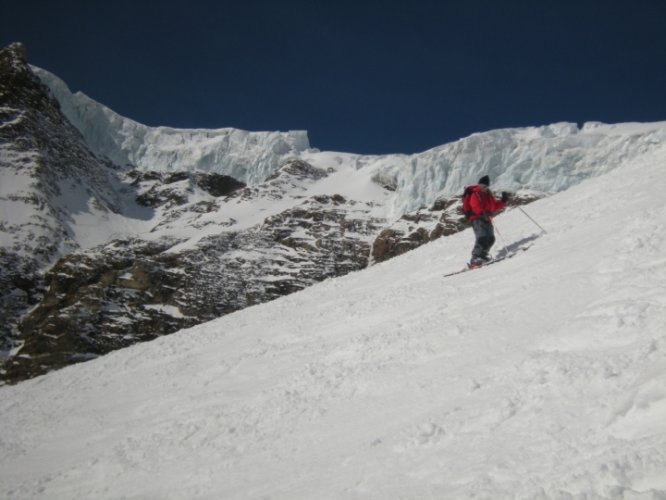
{"x":505,"y":196}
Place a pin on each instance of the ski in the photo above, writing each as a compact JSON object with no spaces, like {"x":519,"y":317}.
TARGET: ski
{"x":503,"y":256}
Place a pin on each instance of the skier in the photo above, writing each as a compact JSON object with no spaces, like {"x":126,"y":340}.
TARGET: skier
{"x":479,"y":206}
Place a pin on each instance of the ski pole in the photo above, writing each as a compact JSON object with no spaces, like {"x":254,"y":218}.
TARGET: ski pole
{"x":499,"y":233}
{"x":535,"y":222}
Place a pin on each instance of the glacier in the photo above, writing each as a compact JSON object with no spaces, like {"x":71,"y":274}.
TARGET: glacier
{"x":247,"y":156}
{"x":547,"y":159}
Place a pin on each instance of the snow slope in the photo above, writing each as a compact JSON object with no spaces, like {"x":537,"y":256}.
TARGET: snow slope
{"x":543,"y":376}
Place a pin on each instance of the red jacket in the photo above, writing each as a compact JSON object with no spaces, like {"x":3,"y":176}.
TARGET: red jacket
{"x":480,"y":202}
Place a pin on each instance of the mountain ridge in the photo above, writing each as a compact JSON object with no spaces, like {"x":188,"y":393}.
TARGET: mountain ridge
{"x":249,"y":157}
{"x":145,"y":250}
{"x":545,"y":159}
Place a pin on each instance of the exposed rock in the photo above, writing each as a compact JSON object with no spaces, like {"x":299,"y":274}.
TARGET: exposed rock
{"x":168,"y":189}
{"x":297,"y":169}
{"x":130,"y":291}
{"x":91,"y":301}
{"x":217,"y":184}
{"x":41,"y":154}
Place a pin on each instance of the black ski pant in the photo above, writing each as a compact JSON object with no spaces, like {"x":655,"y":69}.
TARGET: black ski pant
{"x":484,"y":233}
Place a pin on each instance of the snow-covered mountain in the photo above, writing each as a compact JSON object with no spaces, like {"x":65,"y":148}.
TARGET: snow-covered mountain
{"x":547,"y":159}
{"x":249,"y":157}
{"x":48,"y":177}
{"x":539,"y":377}
{"x":113,"y":232}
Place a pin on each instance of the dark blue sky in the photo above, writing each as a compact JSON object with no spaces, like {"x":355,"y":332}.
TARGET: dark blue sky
{"x":360,"y":76}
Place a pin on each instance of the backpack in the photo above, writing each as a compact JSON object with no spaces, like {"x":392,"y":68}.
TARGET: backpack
{"x":466,"y":199}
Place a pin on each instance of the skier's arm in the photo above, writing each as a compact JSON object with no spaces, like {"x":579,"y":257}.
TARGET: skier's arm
{"x":497,"y":205}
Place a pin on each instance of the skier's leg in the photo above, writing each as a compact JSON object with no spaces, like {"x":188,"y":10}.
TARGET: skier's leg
{"x":485,"y":238}
{"x":489,"y":238}
{"x":479,"y":252}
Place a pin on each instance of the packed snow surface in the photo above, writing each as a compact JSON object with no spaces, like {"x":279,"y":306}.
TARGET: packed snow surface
{"x":541,"y":376}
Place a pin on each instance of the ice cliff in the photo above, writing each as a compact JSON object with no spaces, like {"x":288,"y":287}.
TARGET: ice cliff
{"x":247,"y":156}
{"x":546,"y":159}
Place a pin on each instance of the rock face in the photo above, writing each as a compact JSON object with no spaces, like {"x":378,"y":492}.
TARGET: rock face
{"x":168,"y":189}
{"x":41,"y":155}
{"x":133,"y":290}
{"x":96,"y":256}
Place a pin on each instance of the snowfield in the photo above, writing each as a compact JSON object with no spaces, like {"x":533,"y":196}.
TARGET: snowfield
{"x":542,"y":376}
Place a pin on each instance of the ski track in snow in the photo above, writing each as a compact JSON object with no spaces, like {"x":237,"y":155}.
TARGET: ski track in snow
{"x":543,"y":376}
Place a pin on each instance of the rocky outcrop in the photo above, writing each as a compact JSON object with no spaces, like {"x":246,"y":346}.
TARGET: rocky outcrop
{"x":169,"y":189}
{"x":131,"y":291}
{"x":41,"y":156}
{"x":90,"y":301}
